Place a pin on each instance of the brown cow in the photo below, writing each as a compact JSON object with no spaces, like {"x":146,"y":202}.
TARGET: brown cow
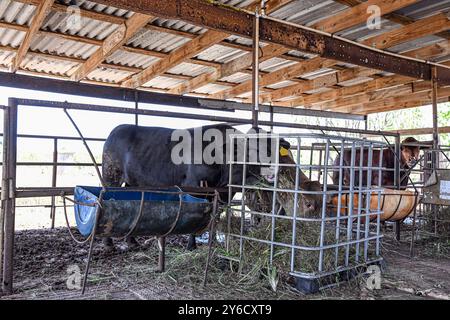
{"x":409,"y":156}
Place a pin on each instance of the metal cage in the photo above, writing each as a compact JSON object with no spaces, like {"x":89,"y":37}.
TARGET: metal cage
{"x":343,"y":233}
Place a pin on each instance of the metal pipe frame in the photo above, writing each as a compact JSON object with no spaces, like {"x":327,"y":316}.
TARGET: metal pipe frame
{"x":8,"y":194}
{"x":357,"y":215}
{"x":156,"y":113}
{"x":121,"y":94}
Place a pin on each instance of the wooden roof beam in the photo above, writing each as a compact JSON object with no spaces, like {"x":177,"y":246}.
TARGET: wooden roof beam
{"x":41,"y":12}
{"x":268,"y":52}
{"x":180,"y":54}
{"x":302,"y":68}
{"x":410,"y":32}
{"x":429,"y":52}
{"x":393,"y":16}
{"x":218,"y":17}
{"x":274,"y":50}
{"x":112,"y":43}
{"x":397,"y":102}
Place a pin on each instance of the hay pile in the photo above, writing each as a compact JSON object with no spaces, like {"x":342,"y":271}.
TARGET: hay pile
{"x":308,"y":233}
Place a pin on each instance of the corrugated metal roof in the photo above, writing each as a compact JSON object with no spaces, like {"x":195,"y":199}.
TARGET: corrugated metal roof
{"x":6,"y":58}
{"x":237,"y":77}
{"x":305,"y":12}
{"x":221,"y":54}
{"x":9,"y":37}
{"x":308,"y":12}
{"x":158,"y":41}
{"x":46,"y":65}
{"x":423,"y":9}
{"x":211,"y":88}
{"x":60,"y":46}
{"x":108,"y":75}
{"x":189,"y":69}
{"x":163,"y":83}
{"x":131,"y":59}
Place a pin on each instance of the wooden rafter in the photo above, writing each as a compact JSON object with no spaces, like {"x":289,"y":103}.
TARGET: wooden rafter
{"x":222,"y":18}
{"x":268,"y":52}
{"x":402,"y":101}
{"x":112,"y":43}
{"x":429,"y":52}
{"x":99,"y":16}
{"x":179,"y":55}
{"x":41,"y":12}
{"x":385,"y":40}
{"x":274,"y":50}
{"x":333,"y":24}
{"x":176,"y":57}
{"x":358,"y":14}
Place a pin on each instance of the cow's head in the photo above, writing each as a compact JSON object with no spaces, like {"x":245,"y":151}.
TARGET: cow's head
{"x":410,"y":152}
{"x":267,"y":154}
{"x":311,"y":203}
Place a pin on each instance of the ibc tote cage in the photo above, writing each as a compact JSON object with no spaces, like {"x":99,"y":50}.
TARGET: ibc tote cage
{"x":342,"y":243}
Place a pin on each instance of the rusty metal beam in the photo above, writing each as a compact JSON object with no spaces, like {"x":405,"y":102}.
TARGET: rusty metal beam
{"x":239,"y":22}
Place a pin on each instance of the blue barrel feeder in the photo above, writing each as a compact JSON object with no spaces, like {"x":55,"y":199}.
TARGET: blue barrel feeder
{"x":164,"y":212}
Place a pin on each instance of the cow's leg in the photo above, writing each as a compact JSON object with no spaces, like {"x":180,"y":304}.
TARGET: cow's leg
{"x":108,"y":244}
{"x":132,"y":243}
{"x":192,"y":245}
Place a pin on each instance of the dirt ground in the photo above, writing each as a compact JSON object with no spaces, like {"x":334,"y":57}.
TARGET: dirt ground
{"x":46,"y":259}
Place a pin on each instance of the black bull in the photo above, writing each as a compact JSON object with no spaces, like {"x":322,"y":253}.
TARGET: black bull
{"x":142,"y":157}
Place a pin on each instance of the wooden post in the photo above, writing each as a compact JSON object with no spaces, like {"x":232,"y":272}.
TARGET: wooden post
{"x":8,"y":263}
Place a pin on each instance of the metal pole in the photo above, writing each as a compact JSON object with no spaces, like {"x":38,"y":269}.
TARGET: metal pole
{"x":162,"y":254}
{"x":271,"y":118}
{"x":255,"y":111}
{"x":136,"y":106}
{"x":54,"y":175}
{"x":397,"y":172}
{"x":5,"y":184}
{"x":434,"y":84}
{"x":7,"y":283}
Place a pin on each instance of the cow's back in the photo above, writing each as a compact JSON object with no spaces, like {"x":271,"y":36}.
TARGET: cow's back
{"x":387,"y":174}
{"x":138,"y":156}
{"x":142,"y":156}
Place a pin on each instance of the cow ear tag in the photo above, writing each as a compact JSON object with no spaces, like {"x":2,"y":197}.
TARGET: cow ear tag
{"x":284,"y":152}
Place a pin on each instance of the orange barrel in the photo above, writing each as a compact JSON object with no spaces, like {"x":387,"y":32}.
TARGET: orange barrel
{"x":395,"y":204}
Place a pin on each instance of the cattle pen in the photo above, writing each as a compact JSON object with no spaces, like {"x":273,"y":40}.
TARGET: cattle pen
{"x":241,"y":63}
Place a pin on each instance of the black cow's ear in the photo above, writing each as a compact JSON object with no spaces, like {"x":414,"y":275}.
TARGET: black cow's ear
{"x":285,"y":144}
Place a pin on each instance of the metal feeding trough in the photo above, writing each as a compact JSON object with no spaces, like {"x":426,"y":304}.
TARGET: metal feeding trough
{"x":123,"y":212}
{"x":140,"y":213}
